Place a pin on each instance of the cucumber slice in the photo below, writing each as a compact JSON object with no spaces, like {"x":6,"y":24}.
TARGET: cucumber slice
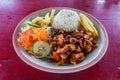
{"x":31,"y":24}
{"x":41,"y":49}
{"x":27,"y":25}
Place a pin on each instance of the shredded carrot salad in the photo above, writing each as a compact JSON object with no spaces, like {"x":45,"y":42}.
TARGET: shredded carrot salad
{"x":31,"y":35}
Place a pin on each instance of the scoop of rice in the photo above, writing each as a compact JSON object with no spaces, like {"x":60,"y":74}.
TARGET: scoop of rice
{"x":67,"y":20}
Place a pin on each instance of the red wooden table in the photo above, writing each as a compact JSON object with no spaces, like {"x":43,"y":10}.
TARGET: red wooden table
{"x":13,"y":68}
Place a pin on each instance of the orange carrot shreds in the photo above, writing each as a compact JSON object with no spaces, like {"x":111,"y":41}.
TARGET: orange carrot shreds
{"x":26,"y":39}
{"x":41,"y":34}
{"x":31,"y":35}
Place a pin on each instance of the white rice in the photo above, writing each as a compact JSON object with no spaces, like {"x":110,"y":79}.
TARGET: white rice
{"x":67,"y":20}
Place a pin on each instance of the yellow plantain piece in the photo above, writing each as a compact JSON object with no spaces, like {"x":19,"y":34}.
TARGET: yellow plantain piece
{"x":88,"y":25}
{"x":52,"y":16}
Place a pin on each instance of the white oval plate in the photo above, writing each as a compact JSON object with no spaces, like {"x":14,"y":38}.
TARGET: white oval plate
{"x":49,"y":66}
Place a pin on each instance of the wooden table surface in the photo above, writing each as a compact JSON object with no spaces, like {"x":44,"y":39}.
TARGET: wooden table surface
{"x":13,"y":68}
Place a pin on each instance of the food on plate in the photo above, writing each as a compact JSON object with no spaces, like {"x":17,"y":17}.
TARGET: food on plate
{"x":46,"y":20}
{"x":64,"y":38}
{"x":88,"y":25}
{"x":30,"y":38}
{"x":67,"y":20}
{"x":71,"y":46}
{"x":41,"y":49}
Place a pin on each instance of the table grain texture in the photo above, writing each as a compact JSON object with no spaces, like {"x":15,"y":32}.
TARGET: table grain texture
{"x":13,"y":11}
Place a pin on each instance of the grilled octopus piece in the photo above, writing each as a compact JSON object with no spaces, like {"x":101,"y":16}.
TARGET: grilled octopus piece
{"x":56,"y":54}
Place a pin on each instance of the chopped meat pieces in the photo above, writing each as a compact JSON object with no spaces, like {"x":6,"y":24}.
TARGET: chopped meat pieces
{"x":63,"y":50}
{"x":71,"y":47}
{"x":77,"y":56}
{"x":78,"y":49}
{"x":73,"y":40}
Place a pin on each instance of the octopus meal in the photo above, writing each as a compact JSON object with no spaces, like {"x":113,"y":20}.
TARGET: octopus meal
{"x":64,"y":37}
